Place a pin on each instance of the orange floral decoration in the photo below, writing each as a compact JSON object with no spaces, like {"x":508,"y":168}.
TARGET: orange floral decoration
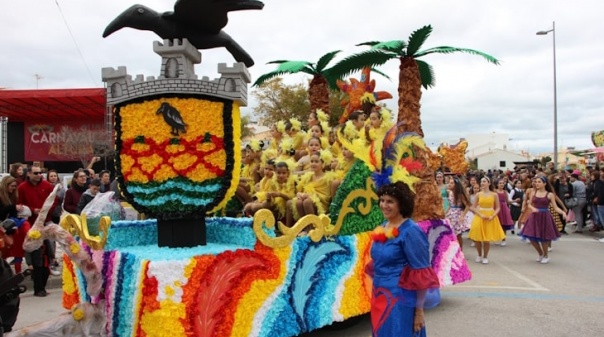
{"x":356,"y":90}
{"x":71,"y":294}
{"x":380,"y":234}
{"x":454,"y":156}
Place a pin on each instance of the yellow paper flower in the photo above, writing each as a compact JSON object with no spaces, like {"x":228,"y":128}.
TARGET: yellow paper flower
{"x":77,"y":313}
{"x":74,"y":247}
{"x":139,"y":147}
{"x":34,"y":234}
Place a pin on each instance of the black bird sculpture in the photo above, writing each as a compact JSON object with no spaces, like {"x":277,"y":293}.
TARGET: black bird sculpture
{"x":172,"y":118}
{"x":199,"y":21}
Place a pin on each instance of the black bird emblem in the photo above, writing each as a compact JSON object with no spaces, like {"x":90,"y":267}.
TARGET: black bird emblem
{"x":199,"y":21}
{"x":172,"y":118}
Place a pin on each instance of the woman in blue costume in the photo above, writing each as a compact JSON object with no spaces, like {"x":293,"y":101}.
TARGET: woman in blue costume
{"x":403,"y":280}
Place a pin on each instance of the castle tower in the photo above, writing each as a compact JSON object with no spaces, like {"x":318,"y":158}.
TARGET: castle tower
{"x":179,"y":58}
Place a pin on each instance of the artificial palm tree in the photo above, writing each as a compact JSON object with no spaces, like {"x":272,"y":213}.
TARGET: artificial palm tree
{"x":413,"y":74}
{"x":323,"y":78}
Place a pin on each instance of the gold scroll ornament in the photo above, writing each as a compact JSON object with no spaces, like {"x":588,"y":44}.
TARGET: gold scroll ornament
{"x":77,"y":225}
{"x":321,"y":223}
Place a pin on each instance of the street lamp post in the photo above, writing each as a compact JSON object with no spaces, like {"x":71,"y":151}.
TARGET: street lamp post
{"x":545,"y":32}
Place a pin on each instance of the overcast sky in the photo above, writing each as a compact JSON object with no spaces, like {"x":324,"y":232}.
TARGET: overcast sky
{"x":470,"y":96}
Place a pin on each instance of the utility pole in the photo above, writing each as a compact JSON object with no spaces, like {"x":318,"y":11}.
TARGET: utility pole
{"x":38,"y":78}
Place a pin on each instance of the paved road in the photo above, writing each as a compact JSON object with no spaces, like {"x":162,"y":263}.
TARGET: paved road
{"x":513,"y":296}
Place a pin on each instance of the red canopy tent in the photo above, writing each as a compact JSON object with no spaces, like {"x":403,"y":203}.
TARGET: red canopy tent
{"x":53,"y":104}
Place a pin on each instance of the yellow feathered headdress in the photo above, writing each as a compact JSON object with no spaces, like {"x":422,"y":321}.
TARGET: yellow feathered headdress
{"x":268,"y":155}
{"x":368,"y":97}
{"x":256,"y":145}
{"x":326,"y":157}
{"x":280,"y":126}
{"x":322,"y":116}
{"x":392,"y":159}
{"x":296,"y":124}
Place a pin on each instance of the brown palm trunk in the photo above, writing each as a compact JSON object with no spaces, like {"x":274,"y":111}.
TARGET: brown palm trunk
{"x":428,"y":203}
{"x":318,"y":94}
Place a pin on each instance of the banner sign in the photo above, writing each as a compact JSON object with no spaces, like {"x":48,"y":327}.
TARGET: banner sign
{"x":66,"y":140}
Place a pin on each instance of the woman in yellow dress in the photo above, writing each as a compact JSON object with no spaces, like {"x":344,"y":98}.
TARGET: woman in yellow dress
{"x":485,"y":225}
{"x":313,"y":190}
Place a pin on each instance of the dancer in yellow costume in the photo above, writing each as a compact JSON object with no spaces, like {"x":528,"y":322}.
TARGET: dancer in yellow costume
{"x":485,"y":225}
{"x":250,"y":174}
{"x":282,"y":189}
{"x":313,"y":190}
{"x":262,"y":188}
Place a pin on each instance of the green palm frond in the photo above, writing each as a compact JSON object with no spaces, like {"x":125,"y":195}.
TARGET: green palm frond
{"x":368,"y":43}
{"x":325,"y":59}
{"x":394,"y":46}
{"x":286,"y":67}
{"x":426,"y":74}
{"x":417,"y":39}
{"x":379,"y":72}
{"x":450,"y":50}
{"x":279,"y":61}
{"x":357,"y":62}
{"x":294,"y":66}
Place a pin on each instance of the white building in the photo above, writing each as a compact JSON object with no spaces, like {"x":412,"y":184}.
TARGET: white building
{"x":480,"y":143}
{"x":497,"y":159}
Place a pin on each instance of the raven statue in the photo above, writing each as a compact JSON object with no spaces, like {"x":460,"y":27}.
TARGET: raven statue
{"x":172,"y":118}
{"x":199,"y":21}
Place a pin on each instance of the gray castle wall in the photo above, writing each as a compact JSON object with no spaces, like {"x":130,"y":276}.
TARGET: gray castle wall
{"x":177,"y":76}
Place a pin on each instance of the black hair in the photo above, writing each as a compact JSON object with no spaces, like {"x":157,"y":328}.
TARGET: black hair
{"x":260,"y":143}
{"x":103,"y":172}
{"x":95,"y":182}
{"x":402,"y":194}
{"x":282,"y":164}
{"x":320,"y":127}
{"x":355,"y":115}
{"x":317,"y":138}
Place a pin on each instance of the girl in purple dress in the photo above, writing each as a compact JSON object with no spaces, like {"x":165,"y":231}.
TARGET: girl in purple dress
{"x":540,"y":227}
{"x":505,"y":216}
{"x":404,"y":282}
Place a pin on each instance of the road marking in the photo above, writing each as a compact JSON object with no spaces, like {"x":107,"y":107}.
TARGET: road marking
{"x":503,"y":287}
{"x":536,"y":285}
{"x":537,"y":296}
{"x":493,"y":285}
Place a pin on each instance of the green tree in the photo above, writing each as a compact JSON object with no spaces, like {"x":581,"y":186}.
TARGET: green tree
{"x":545,"y":160}
{"x":246,"y":130}
{"x":278,"y":101}
{"x":336,"y":108}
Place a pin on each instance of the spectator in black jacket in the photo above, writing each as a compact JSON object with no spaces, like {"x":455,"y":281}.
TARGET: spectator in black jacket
{"x":91,"y":192}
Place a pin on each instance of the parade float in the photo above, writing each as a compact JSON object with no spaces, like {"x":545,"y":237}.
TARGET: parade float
{"x":185,"y":272}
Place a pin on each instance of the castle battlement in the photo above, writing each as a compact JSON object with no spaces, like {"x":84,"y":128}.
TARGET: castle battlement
{"x":177,"y":76}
